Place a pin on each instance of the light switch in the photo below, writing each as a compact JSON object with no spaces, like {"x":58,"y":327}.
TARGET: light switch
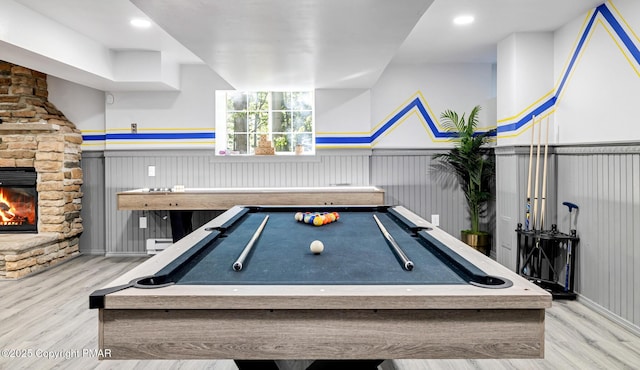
{"x":435,"y":220}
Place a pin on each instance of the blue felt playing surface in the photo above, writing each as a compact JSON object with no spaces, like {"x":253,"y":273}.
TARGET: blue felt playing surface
{"x":355,"y":253}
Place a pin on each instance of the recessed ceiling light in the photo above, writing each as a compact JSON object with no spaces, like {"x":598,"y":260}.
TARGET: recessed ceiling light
{"x":140,"y":23}
{"x":462,"y":20}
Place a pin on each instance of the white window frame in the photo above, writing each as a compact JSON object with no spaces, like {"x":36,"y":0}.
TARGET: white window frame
{"x":221,"y":124}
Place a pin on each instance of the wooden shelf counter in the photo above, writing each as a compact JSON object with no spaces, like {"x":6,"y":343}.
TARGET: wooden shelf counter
{"x":225,"y":198}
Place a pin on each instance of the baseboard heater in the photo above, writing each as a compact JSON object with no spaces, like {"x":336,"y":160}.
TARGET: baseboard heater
{"x":155,"y":246}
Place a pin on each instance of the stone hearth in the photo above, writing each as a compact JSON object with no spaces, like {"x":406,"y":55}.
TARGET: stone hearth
{"x":33,"y":133}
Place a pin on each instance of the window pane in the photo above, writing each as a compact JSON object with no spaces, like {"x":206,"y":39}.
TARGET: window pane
{"x":282,"y":142}
{"x":258,"y":101}
{"x":280,"y":101}
{"x":302,"y":121}
{"x":258,"y":122}
{"x":236,"y":122}
{"x":305,"y":139}
{"x":281,"y":121}
{"x":301,"y":100}
{"x":230,"y":143}
{"x":239,"y":143}
{"x":236,"y":101}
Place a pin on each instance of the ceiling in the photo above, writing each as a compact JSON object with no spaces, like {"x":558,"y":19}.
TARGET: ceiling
{"x":271,"y":44}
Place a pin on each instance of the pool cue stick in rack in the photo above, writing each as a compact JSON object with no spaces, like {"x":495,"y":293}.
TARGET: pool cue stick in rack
{"x":406,"y":263}
{"x":530,"y":221}
{"x":543,"y":201}
{"x":531,"y":267}
{"x":537,"y":182}
{"x":527,"y":220}
{"x":534,"y":260}
{"x":237,"y":266}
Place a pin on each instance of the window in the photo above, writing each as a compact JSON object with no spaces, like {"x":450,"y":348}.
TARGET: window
{"x":285,"y":118}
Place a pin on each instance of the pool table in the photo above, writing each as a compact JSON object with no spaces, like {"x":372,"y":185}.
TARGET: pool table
{"x":355,"y":300}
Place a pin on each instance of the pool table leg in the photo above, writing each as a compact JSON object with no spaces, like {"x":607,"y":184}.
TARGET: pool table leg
{"x":345,"y":364}
{"x":316,"y":365}
{"x":256,"y":364}
{"x":181,"y":224}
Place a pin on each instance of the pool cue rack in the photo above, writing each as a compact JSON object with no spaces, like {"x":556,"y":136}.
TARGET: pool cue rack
{"x":544,"y":257}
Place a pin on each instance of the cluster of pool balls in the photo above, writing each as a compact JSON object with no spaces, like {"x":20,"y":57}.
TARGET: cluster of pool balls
{"x":317,"y":218}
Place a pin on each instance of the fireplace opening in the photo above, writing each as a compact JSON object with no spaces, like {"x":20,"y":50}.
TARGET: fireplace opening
{"x":18,"y":200}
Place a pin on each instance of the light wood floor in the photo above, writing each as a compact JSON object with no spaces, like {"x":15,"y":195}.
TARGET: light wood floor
{"x":49,"y":312}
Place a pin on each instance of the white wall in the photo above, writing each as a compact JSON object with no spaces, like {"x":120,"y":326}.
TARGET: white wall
{"x":601,"y":94}
{"x":342,"y":110}
{"x":340,"y":113}
{"x":595,"y":78}
{"x":189,"y":110}
{"x":84,"y":106}
{"x":524,"y":81}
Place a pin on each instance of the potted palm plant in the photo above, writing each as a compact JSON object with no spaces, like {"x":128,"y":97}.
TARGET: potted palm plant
{"x":472,"y":163}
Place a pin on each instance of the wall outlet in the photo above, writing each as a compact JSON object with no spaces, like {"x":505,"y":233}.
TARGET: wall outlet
{"x":435,"y":220}
{"x":152,"y":170}
{"x":134,"y":128}
{"x":143,"y":222}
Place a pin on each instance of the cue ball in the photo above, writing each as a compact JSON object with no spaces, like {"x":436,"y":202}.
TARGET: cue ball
{"x":316,"y":247}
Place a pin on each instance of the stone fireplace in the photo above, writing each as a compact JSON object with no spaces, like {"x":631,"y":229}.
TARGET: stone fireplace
{"x":36,"y":139}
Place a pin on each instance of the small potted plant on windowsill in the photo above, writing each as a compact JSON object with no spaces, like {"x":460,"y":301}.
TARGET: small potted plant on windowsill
{"x":473,"y":165}
{"x":299,"y":147}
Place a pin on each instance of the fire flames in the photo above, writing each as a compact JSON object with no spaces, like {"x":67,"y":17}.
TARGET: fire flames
{"x":15,"y":212}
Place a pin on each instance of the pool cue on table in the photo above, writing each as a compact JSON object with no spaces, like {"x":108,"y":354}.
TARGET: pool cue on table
{"x":406,"y":263}
{"x":240,"y":261}
{"x":527,"y":219}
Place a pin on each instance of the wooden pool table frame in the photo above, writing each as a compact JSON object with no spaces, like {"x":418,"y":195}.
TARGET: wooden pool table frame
{"x":323,"y":321}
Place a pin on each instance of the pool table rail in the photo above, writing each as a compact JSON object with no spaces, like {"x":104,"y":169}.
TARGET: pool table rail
{"x":325,"y":297}
{"x":522,"y":294}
